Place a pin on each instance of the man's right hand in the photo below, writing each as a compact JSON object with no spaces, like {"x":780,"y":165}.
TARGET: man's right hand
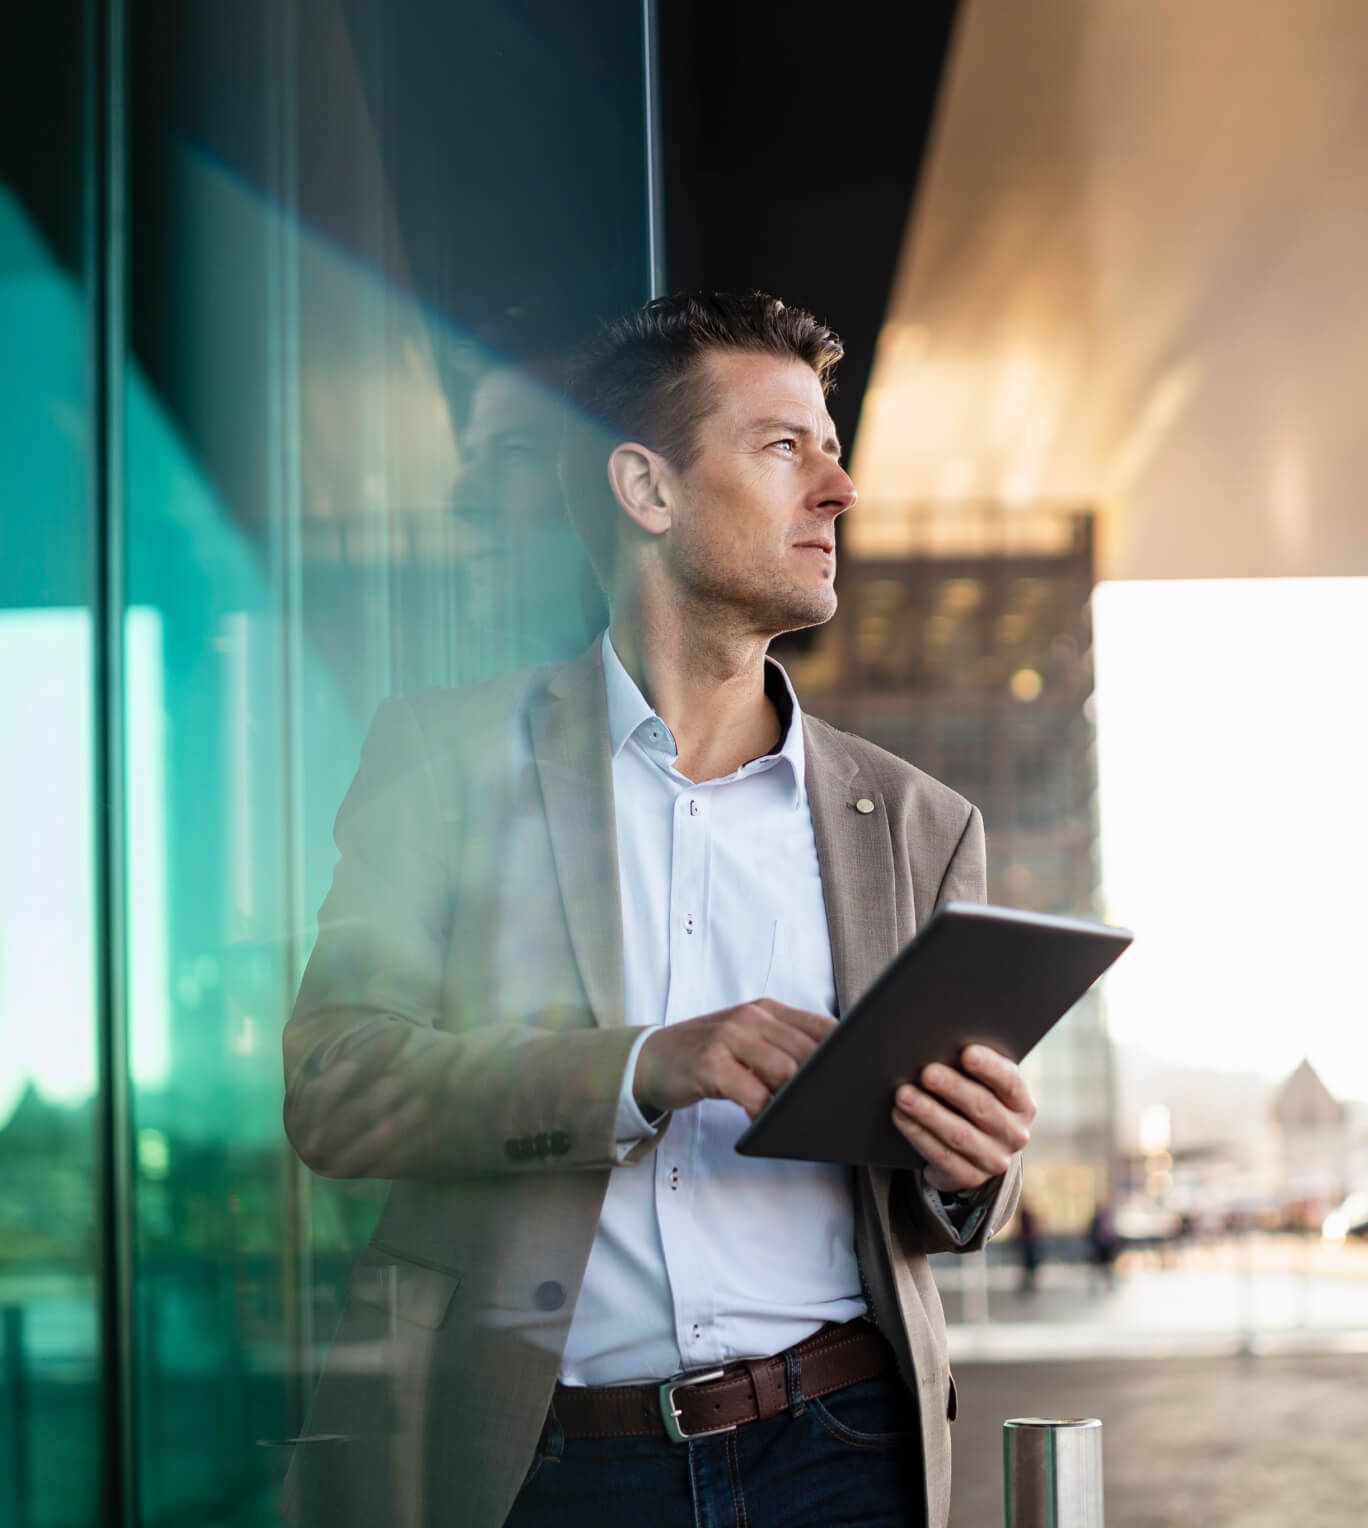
{"x":744,"y":1054}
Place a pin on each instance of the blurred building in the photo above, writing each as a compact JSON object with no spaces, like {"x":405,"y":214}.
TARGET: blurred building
{"x":1239,"y":1143}
{"x":1313,"y":1140}
{"x":971,"y":658}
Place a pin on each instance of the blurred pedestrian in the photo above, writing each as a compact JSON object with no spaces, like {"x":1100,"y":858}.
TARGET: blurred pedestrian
{"x":1102,"y":1241}
{"x":1028,"y":1246}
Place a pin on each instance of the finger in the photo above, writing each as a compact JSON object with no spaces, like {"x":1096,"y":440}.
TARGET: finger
{"x":751,"y":1032}
{"x":773,"y":1063}
{"x":948,"y":1168}
{"x":739,"y":1085}
{"x":318,"y":1070}
{"x":954,"y":1130}
{"x":340,"y":1086}
{"x":378,"y":1151}
{"x":1002,"y":1075}
{"x":977,"y":1104}
{"x":317,"y":1090}
{"x":760,"y":1043}
{"x":794,"y":1041}
{"x":816,"y":1026}
{"x":337,"y":1126}
{"x":365,"y":1105}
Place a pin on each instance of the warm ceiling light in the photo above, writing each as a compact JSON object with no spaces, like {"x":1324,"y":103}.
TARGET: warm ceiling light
{"x":1026,"y":684}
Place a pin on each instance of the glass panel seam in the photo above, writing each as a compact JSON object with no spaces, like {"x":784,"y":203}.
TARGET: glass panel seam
{"x":655,"y":206}
{"x":105,"y":233}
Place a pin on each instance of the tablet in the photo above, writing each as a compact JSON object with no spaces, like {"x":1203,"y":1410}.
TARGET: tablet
{"x":974,"y":973}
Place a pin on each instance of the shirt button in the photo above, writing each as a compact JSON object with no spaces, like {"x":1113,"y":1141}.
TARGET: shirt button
{"x":693,"y":809}
{"x":688,"y":924}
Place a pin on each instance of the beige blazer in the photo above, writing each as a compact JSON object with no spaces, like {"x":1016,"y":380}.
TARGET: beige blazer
{"x":442,"y":1368}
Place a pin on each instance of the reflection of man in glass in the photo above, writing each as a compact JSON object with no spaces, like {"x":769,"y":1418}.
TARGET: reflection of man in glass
{"x":586,"y":920}
{"x":529,"y":594}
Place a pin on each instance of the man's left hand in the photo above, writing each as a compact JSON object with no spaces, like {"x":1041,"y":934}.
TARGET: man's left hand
{"x":967,"y":1124}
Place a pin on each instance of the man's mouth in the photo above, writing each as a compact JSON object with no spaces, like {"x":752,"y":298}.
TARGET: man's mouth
{"x":819,"y":545}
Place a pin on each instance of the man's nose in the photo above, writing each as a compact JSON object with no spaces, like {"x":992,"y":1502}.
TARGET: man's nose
{"x":839,"y":493}
{"x":473,"y":497}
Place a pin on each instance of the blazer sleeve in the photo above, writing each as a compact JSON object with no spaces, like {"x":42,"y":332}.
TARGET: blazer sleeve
{"x":375,"y":1087}
{"x":960,"y":1223}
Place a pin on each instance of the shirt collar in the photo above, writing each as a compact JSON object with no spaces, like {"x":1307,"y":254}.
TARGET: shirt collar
{"x":629,"y":714}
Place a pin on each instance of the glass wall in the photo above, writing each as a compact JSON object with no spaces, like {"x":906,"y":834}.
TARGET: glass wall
{"x":358,"y":242}
{"x":50,"y":967}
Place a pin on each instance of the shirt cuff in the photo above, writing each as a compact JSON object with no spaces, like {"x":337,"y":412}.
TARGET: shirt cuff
{"x":960,"y":1212}
{"x":632,"y":1125}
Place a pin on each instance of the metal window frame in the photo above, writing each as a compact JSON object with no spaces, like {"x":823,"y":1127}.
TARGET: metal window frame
{"x":105,"y":170}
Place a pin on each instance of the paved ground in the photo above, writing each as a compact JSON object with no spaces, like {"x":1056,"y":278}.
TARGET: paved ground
{"x":1269,"y":1442}
{"x":1219,"y":1296}
{"x":1195,"y":1433}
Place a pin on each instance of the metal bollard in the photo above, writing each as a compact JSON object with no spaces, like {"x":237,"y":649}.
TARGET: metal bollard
{"x":1052,"y":1472}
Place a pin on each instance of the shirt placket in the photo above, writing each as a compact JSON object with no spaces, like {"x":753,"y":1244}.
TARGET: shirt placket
{"x":677,"y":1162}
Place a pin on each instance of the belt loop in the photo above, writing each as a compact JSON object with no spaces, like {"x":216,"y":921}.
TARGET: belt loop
{"x":553,"y":1434}
{"x":793,"y":1382}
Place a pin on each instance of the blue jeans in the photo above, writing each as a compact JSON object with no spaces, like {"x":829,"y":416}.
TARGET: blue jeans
{"x":850,"y":1459}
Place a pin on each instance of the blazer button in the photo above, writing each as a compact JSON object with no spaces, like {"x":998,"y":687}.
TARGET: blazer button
{"x":543,"y":1144}
{"x":560,"y":1142}
{"x":549,"y":1296}
{"x":511,"y":1147}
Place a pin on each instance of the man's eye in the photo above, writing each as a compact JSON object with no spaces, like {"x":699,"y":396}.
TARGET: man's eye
{"x":791,"y":444}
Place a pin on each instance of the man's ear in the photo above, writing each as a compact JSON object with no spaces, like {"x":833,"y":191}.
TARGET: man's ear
{"x":640,"y":484}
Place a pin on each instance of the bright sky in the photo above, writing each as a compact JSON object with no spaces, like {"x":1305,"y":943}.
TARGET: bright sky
{"x":47,"y":872}
{"x":1232,"y":721}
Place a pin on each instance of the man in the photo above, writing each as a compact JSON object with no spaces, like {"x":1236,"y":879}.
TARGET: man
{"x":585,"y":922}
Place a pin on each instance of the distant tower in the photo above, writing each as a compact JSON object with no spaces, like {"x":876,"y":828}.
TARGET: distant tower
{"x":1313,"y":1138}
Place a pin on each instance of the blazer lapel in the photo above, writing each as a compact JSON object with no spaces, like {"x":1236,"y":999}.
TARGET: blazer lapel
{"x":574,"y":764}
{"x":855,"y":853}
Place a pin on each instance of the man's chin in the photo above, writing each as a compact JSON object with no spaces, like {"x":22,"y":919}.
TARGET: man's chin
{"x":799,"y":612}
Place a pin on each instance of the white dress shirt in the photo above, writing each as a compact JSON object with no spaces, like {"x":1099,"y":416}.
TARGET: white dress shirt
{"x":703,"y":1256}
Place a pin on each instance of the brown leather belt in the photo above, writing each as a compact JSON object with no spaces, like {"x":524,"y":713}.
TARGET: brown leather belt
{"x":719,"y":1400}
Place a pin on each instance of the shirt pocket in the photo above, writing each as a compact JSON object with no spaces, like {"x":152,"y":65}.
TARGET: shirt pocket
{"x":798,"y":972}
{"x":771,"y":958}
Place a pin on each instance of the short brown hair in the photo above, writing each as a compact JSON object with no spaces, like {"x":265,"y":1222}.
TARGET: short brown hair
{"x":640,"y":378}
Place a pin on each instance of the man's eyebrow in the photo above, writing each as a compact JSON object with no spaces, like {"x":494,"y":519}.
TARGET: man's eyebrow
{"x":830,"y":444}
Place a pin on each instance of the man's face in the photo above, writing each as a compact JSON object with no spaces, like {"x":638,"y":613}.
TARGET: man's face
{"x":754,"y":518}
{"x":508,"y":456}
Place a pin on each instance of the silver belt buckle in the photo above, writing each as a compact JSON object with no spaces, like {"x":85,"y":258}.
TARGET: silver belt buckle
{"x":669,"y":1412}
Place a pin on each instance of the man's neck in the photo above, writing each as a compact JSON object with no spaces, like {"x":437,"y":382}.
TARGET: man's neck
{"x":706,"y":683}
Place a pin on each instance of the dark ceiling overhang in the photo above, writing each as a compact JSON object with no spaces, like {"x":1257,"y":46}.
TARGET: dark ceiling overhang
{"x":792,"y":138}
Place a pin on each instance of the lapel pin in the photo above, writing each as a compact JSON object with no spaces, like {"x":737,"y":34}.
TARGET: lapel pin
{"x":864,"y":805}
